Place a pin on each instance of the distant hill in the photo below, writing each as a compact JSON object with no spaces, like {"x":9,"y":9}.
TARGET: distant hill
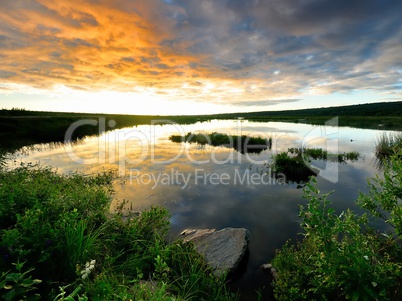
{"x":19,"y":127}
{"x":371,"y":109}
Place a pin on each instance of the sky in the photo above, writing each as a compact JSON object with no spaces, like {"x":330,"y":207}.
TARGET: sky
{"x":198,"y":56}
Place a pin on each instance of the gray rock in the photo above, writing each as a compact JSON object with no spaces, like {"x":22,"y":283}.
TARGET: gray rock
{"x":223,"y":250}
{"x":189,"y":234}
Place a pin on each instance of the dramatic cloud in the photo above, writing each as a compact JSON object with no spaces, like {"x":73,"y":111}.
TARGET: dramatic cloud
{"x":246,"y":53}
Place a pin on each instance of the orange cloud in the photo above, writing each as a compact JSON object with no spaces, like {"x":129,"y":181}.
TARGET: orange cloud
{"x":85,"y":45}
{"x":127,"y":46}
{"x":225,"y":52}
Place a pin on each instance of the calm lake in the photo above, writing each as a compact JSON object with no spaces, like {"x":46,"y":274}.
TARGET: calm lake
{"x":218,"y":187}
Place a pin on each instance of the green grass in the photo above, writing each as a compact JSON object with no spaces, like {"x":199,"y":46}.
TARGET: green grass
{"x":80,"y":243}
{"x":52,"y":226}
{"x":243,"y":143}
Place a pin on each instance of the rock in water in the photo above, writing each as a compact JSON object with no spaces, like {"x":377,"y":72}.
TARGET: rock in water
{"x":223,"y":250}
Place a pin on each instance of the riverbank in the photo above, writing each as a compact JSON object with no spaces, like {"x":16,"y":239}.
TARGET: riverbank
{"x":21,"y":127}
{"x":59,"y":239}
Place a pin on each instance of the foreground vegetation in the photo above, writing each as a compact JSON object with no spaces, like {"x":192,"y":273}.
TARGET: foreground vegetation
{"x":342,"y":255}
{"x":58,"y":241}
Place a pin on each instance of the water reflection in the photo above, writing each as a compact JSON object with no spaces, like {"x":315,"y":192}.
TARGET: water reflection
{"x":217,"y":187}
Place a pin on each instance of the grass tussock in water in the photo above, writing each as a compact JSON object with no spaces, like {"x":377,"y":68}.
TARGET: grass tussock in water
{"x":295,"y":163}
{"x":58,"y":239}
{"x":320,"y":154}
{"x":242,"y":143}
{"x":294,"y":168}
{"x":388,"y":144}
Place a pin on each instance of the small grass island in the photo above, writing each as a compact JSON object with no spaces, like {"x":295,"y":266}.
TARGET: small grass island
{"x":242,"y":143}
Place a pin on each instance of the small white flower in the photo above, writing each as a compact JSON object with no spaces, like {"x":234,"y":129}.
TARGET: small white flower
{"x":366,"y":257}
{"x":89,"y":266}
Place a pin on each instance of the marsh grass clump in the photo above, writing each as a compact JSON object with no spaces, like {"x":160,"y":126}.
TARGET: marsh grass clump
{"x":295,"y":168}
{"x":387,"y":145}
{"x":351,"y":156}
{"x":242,"y":143}
{"x":58,"y":235}
{"x":320,"y":154}
{"x":314,"y":153}
{"x":295,"y":163}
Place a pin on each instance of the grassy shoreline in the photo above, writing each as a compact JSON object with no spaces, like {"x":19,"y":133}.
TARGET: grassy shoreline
{"x":58,"y":239}
{"x":22,"y":127}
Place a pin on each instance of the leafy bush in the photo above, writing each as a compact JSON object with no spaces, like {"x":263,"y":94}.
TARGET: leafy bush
{"x":18,"y":285}
{"x":340,"y":258}
{"x":385,"y":196}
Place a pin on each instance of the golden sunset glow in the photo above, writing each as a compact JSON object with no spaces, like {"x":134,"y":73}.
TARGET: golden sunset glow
{"x":180,"y":57}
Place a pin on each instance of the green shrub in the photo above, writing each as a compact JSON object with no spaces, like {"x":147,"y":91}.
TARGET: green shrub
{"x":339,"y":258}
{"x":18,"y":285}
{"x":385,"y":196}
